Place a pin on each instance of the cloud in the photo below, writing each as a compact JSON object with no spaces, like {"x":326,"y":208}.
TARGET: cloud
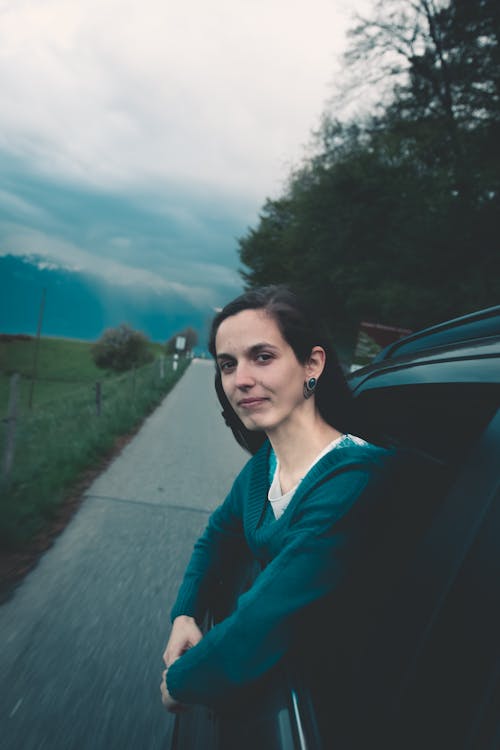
{"x":14,"y":204}
{"x":138,"y":140}
{"x":174,"y":236}
{"x":51,"y":253}
{"x":116,"y":92}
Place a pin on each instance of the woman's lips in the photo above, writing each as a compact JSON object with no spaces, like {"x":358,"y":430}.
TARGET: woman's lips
{"x":248,"y":403}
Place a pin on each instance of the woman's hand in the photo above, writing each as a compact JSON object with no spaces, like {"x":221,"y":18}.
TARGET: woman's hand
{"x":185,"y":634}
{"x":170,"y":703}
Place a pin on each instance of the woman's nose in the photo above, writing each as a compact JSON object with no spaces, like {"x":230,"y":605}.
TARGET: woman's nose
{"x":244,"y":377}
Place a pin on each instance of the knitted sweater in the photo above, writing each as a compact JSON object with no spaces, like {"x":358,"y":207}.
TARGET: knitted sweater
{"x":305,"y":555}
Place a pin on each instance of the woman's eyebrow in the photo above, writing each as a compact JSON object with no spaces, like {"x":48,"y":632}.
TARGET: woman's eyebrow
{"x":251,"y":351}
{"x":223,"y":355}
{"x":256,"y":348}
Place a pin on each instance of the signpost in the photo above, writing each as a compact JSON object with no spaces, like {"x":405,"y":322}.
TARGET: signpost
{"x":180,"y":343}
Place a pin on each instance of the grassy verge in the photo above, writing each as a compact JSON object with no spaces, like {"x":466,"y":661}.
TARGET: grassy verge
{"x":62,"y":437}
{"x":62,"y":364}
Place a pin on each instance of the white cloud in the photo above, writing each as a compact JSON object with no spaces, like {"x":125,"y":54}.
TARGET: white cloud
{"x":51,"y":252}
{"x":117,"y":92}
{"x":20,"y":207}
{"x":141,"y":136}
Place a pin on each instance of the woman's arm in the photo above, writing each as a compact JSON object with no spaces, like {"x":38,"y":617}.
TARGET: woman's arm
{"x":185,"y":634}
{"x":215,"y":554}
{"x":212,"y":552}
{"x":220,"y":549}
{"x":314,"y":561}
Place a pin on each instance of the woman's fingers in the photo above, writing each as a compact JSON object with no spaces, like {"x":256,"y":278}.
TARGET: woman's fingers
{"x":185,"y":634}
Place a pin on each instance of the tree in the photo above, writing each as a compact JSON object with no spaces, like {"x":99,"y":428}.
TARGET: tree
{"x":446,"y":113}
{"x":189,"y":334}
{"x":391,"y":217}
{"x":443,"y":60}
{"x":121,"y":349}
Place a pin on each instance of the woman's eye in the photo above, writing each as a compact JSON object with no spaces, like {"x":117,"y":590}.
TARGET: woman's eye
{"x":226,"y":366}
{"x":264,"y":357}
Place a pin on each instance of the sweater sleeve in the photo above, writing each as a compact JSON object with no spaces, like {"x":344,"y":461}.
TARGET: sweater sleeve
{"x":219,"y":550}
{"x":314,"y":560}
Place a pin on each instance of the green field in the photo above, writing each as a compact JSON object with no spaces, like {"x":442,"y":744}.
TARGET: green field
{"x":62,"y":435}
{"x":62,"y":366}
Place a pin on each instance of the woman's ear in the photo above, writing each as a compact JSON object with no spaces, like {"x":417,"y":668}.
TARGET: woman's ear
{"x":316,"y":362}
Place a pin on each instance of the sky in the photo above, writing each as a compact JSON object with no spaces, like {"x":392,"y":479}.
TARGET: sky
{"x":140,"y":138}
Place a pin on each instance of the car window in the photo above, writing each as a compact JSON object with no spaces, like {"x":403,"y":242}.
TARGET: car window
{"x":442,"y":421}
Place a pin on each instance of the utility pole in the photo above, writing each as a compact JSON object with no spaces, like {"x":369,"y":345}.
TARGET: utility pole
{"x":37,"y":346}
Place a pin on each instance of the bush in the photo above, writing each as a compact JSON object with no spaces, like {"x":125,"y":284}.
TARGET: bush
{"x":121,"y":349}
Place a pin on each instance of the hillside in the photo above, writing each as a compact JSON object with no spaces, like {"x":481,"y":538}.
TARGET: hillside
{"x":80,"y":305}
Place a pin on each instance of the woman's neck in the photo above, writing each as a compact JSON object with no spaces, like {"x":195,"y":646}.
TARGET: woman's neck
{"x":297,"y":444}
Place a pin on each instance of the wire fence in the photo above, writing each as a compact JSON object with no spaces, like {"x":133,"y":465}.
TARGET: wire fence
{"x":73,"y":423}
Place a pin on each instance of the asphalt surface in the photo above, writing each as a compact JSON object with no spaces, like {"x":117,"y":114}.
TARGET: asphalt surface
{"x":82,"y":637}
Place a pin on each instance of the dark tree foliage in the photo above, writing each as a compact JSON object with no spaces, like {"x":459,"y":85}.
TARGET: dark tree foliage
{"x":121,"y":349}
{"x":394,"y":219}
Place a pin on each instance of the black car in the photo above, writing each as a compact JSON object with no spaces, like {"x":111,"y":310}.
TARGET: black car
{"x":431,"y":672}
{"x":425,"y":671}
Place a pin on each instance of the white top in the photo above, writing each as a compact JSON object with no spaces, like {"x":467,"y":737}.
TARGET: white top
{"x":279,"y":501}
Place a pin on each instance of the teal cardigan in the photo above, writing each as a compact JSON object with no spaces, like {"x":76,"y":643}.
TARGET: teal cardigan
{"x":305,"y":555}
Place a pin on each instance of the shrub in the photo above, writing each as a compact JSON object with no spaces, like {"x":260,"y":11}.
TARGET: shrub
{"x":121,"y":349}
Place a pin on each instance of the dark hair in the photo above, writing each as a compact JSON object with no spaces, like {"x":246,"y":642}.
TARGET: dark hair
{"x":302,"y":331}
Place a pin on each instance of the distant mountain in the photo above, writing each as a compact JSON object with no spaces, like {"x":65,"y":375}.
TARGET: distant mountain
{"x":79,"y":305}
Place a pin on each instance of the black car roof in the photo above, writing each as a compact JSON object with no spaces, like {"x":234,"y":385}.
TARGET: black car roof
{"x":478,"y":325}
{"x":466,"y":350}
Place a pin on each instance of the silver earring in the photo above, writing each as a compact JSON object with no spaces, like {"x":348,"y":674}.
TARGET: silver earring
{"x":309,"y":387}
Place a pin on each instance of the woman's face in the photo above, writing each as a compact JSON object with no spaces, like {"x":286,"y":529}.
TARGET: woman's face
{"x":261,"y":376}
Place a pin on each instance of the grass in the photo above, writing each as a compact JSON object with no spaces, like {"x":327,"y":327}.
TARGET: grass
{"x":61,"y":436}
{"x":63,"y":365}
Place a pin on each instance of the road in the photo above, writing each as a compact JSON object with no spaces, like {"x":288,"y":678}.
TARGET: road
{"x":82,"y":637}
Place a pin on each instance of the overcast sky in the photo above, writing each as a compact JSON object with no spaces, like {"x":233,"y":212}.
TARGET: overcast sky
{"x":139,"y":138}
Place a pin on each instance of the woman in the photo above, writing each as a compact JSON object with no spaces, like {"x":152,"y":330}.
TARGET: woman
{"x":293,"y":508}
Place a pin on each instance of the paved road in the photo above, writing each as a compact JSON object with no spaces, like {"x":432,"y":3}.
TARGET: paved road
{"x":81,"y":640}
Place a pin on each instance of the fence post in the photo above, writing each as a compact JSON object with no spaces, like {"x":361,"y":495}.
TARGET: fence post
{"x":10,"y":443}
{"x":37,"y":346}
{"x":162,"y":367}
{"x":98,"y":398}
